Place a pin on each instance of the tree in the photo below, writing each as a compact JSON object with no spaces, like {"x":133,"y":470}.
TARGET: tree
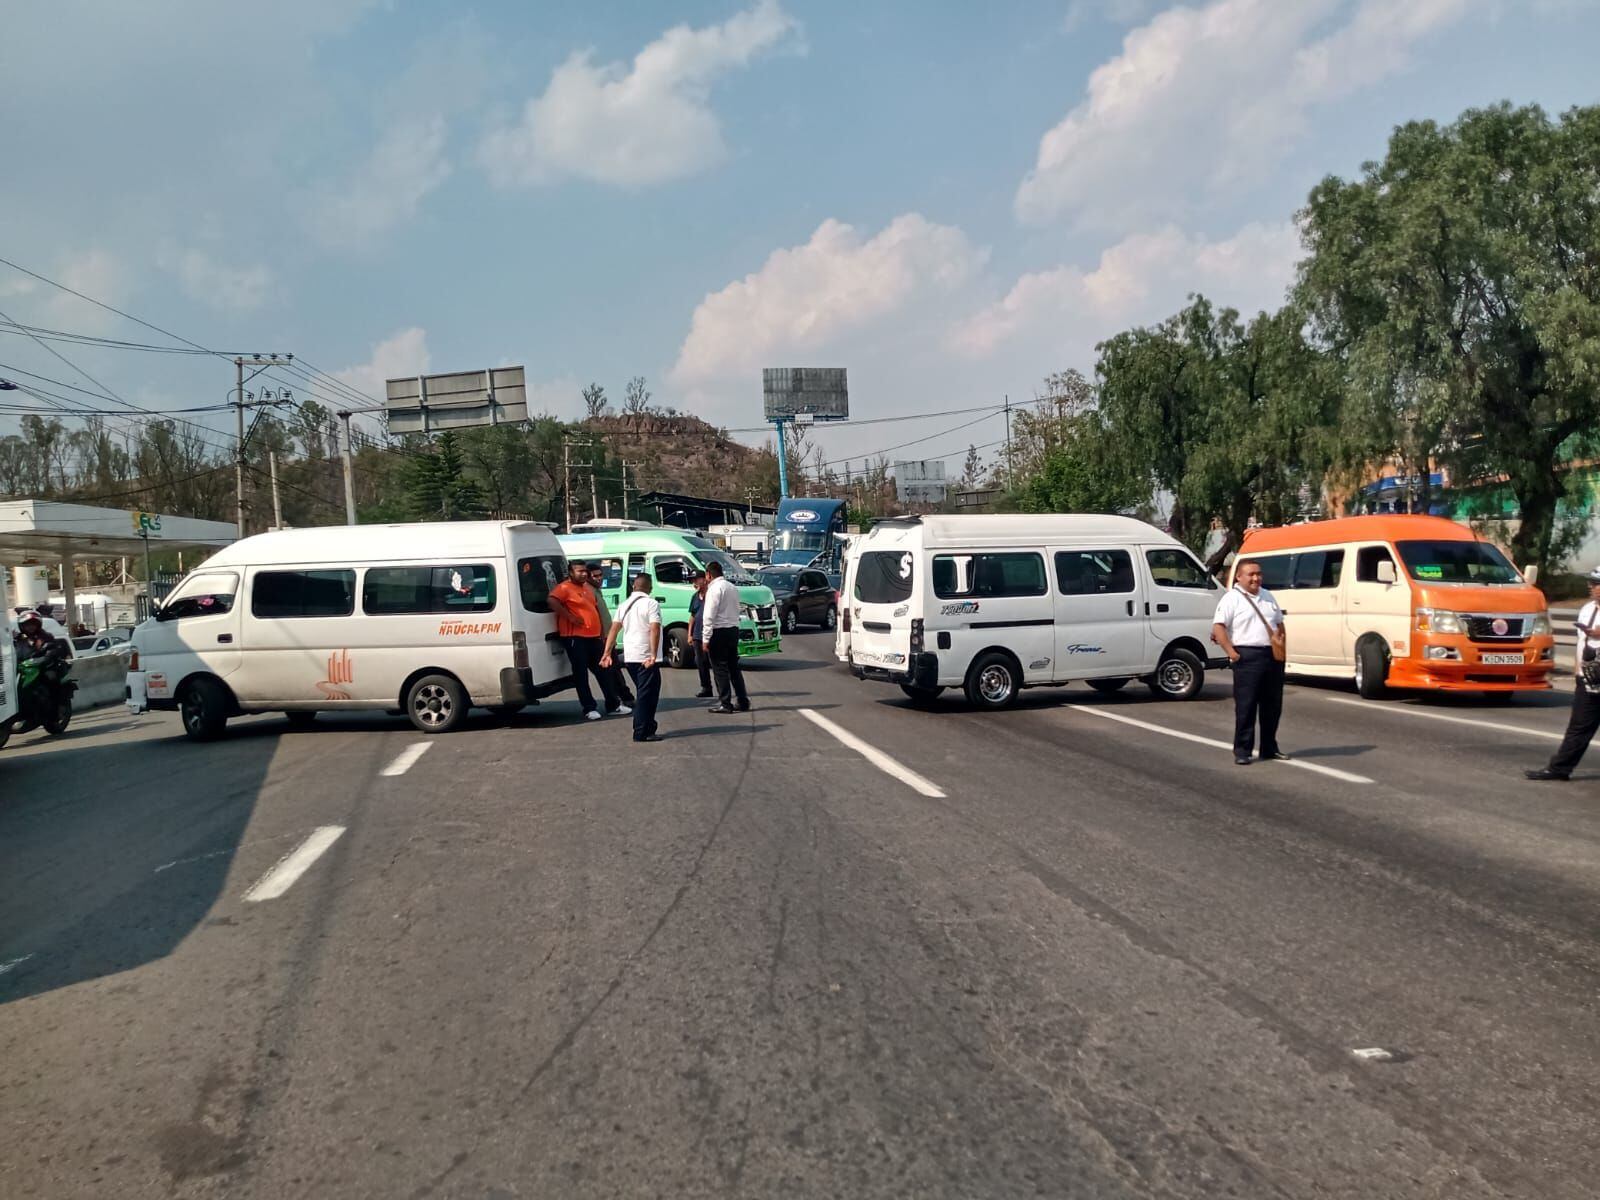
{"x":636,"y":397}
{"x":595,"y":402}
{"x":1458,"y":280}
{"x":1081,"y":474}
{"x":437,"y":486}
{"x":971,"y":470}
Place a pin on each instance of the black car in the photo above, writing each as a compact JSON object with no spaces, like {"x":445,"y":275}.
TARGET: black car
{"x":804,"y":595}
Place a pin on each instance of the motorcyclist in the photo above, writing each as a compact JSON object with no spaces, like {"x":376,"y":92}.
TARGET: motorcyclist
{"x":33,"y":640}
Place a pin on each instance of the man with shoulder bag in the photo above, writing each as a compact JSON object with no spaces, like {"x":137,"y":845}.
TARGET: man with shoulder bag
{"x":1249,"y":628}
{"x":1585,"y":718}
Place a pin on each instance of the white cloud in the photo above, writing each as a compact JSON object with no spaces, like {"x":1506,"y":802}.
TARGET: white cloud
{"x":630,"y":127}
{"x":96,"y":273}
{"x":1204,"y":99}
{"x":404,"y":353}
{"x":1140,"y":279}
{"x":386,"y":189}
{"x":217,"y":284}
{"x":816,"y":295}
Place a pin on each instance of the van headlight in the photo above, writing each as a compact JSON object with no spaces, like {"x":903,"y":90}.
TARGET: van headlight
{"x":747,"y":611}
{"x":1541,"y":624}
{"x":1439,"y":620}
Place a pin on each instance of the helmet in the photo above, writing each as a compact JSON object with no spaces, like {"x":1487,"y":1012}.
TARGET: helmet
{"x":1594,"y":575}
{"x":24,"y":617}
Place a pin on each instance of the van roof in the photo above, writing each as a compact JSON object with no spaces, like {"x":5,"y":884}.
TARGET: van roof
{"x":439,"y":540}
{"x":634,"y":539}
{"x":1029,"y":529}
{"x":1383,"y":527}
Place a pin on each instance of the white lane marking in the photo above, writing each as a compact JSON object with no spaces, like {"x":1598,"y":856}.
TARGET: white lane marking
{"x":1433,"y":716}
{"x":294,"y":864}
{"x":1331,"y":772}
{"x":407,"y":758}
{"x":874,"y":756}
{"x":1373,"y":1054}
{"x":15,"y":962}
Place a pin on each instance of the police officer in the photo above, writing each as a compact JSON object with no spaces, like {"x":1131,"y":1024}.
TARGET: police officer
{"x":1585,"y":718}
{"x":1247,"y":623}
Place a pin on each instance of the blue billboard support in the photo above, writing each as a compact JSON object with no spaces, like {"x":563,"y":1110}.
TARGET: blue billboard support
{"x":783,"y":464}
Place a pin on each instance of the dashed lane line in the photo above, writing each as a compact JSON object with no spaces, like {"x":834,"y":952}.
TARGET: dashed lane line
{"x":407,"y":758}
{"x":874,"y":756}
{"x":1302,"y":764}
{"x":294,"y":864}
{"x":1433,"y":716}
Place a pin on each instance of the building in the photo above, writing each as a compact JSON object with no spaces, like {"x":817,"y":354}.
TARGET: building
{"x":920,"y":481}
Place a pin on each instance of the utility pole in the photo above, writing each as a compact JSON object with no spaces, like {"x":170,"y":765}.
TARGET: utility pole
{"x":277,"y":506}
{"x":260,"y":362}
{"x":566,"y":485}
{"x":349,"y":474}
{"x":594,"y":501}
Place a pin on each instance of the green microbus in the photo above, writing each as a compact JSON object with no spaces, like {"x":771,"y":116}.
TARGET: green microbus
{"x":669,"y":555}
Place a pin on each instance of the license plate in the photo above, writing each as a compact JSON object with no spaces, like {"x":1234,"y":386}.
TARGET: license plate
{"x":1502,"y":660}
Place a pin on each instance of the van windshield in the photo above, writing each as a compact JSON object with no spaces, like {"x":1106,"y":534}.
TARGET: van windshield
{"x":884,"y":577}
{"x":732,"y":568}
{"x":1456,"y":562}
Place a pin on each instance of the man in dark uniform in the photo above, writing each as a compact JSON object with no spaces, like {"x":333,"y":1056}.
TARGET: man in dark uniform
{"x":1585,"y":718}
{"x":702,"y":656}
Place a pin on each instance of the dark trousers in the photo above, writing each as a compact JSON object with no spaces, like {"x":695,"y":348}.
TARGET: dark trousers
{"x":725,"y":665}
{"x":584,"y":654}
{"x":1581,"y":727}
{"x":647,"y":694}
{"x":702,"y":664}
{"x":1257,"y":692}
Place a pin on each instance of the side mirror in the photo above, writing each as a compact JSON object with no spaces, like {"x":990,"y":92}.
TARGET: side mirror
{"x":1386,"y":572}
{"x":1531,"y":574}
{"x":160,"y":614}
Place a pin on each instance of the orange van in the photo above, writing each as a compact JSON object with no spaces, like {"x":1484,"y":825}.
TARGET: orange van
{"x":1404,"y":601}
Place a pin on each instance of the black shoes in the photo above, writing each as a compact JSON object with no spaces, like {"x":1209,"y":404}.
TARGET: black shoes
{"x":1277,"y":755}
{"x":721,"y":708}
{"x":1241,"y":761}
{"x":745,"y":707}
{"x":649,"y":737}
{"x":1545,"y":773}
{"x":703,"y":695}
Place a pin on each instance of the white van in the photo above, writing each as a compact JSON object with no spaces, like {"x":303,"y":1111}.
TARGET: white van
{"x":847,"y":581}
{"x":995,"y":604}
{"x":426,"y":619}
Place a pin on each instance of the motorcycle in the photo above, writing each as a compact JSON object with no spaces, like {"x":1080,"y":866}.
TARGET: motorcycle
{"x":43,"y":695}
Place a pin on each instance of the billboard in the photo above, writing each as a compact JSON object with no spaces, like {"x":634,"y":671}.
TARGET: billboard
{"x":818,"y":392}
{"x":429,"y":403}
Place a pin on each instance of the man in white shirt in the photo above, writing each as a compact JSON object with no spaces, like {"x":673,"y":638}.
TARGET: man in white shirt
{"x":1585,"y":718}
{"x":1247,"y":621}
{"x":639,"y":622}
{"x":719,"y":627}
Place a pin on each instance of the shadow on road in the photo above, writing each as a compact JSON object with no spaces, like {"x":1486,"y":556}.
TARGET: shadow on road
{"x":82,"y":831}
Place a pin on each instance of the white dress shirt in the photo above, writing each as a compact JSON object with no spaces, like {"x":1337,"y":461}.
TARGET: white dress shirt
{"x":1245,"y":628}
{"x":722,"y":608}
{"x":641,"y":628}
{"x":1587,"y":616}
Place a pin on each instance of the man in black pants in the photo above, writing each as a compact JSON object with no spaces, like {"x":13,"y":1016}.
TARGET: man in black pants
{"x":720,"y":628}
{"x":1246,"y":621}
{"x":1585,"y":718}
{"x":702,"y":660}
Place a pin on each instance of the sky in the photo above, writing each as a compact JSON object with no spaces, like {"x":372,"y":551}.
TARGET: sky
{"x":950,"y":200}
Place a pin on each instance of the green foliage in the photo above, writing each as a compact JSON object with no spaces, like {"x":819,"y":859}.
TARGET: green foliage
{"x":437,"y":486}
{"x":1081,"y":473}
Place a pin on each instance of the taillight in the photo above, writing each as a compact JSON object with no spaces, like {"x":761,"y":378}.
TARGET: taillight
{"x":916,"y":635}
{"x":844,"y":618}
{"x":133,"y":661}
{"x":519,"y":649}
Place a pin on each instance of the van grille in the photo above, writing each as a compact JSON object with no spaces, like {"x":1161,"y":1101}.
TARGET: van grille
{"x":1480,"y":627}
{"x":764,"y":614}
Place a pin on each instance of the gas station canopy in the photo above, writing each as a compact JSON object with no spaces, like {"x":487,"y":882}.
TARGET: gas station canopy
{"x":49,"y":532}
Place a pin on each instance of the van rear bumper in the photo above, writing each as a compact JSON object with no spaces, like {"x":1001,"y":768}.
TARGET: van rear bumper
{"x":921,"y":672}
{"x":517,"y":686}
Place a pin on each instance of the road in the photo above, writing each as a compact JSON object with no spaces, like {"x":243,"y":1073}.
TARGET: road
{"x":1046,"y":952}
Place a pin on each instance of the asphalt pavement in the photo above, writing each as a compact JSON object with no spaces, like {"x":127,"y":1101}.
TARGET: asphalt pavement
{"x":838,"y":946}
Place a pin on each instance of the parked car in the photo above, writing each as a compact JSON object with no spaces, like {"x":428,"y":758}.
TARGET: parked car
{"x":804,"y":596}
{"x":100,"y":643}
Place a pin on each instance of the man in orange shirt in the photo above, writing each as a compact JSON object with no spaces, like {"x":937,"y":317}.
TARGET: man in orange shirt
{"x":578,"y":627}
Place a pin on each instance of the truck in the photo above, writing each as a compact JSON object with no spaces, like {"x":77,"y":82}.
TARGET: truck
{"x":810,"y":532}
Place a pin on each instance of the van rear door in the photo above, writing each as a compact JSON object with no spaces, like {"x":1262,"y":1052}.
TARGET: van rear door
{"x":881,"y":605}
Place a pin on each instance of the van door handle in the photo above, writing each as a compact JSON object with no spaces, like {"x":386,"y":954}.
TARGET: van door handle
{"x":1130,"y":608}
{"x":1161,"y":608}
{"x":224,"y":637}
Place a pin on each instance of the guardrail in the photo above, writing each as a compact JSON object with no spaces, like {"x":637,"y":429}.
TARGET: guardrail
{"x":101,"y":679}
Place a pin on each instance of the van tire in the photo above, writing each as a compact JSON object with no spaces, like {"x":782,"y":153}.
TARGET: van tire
{"x":1180,"y":675}
{"x":1372,"y":669}
{"x":436,"y":703}
{"x":301,"y":718}
{"x":921,"y":695}
{"x":993,"y":681}
{"x":679,"y":653}
{"x":203,"y":706}
{"x":1107,"y":687}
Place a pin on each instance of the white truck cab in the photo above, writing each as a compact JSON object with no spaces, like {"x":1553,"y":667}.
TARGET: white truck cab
{"x":8,"y":685}
{"x":995,"y":604}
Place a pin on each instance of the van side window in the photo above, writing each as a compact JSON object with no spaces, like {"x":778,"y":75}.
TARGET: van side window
{"x":1277,"y":570}
{"x":957,"y":576}
{"x":392,"y":590}
{"x":672,"y":570}
{"x":1367,"y":560}
{"x":884,"y":576}
{"x":537,"y":577}
{"x":1094,"y":572}
{"x":1318,"y":568}
{"x":283,"y":594}
{"x":611,"y":576}
{"x":202,"y":596}
{"x":1176,"y":569}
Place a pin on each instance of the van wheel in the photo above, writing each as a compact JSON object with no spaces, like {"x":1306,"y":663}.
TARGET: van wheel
{"x":1108,"y":687}
{"x":301,"y":718}
{"x":1372,"y":670}
{"x":679,"y":655}
{"x":922,"y":695}
{"x":204,"y":709}
{"x":436,"y":704}
{"x":993,"y":681}
{"x":1180,"y":676}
